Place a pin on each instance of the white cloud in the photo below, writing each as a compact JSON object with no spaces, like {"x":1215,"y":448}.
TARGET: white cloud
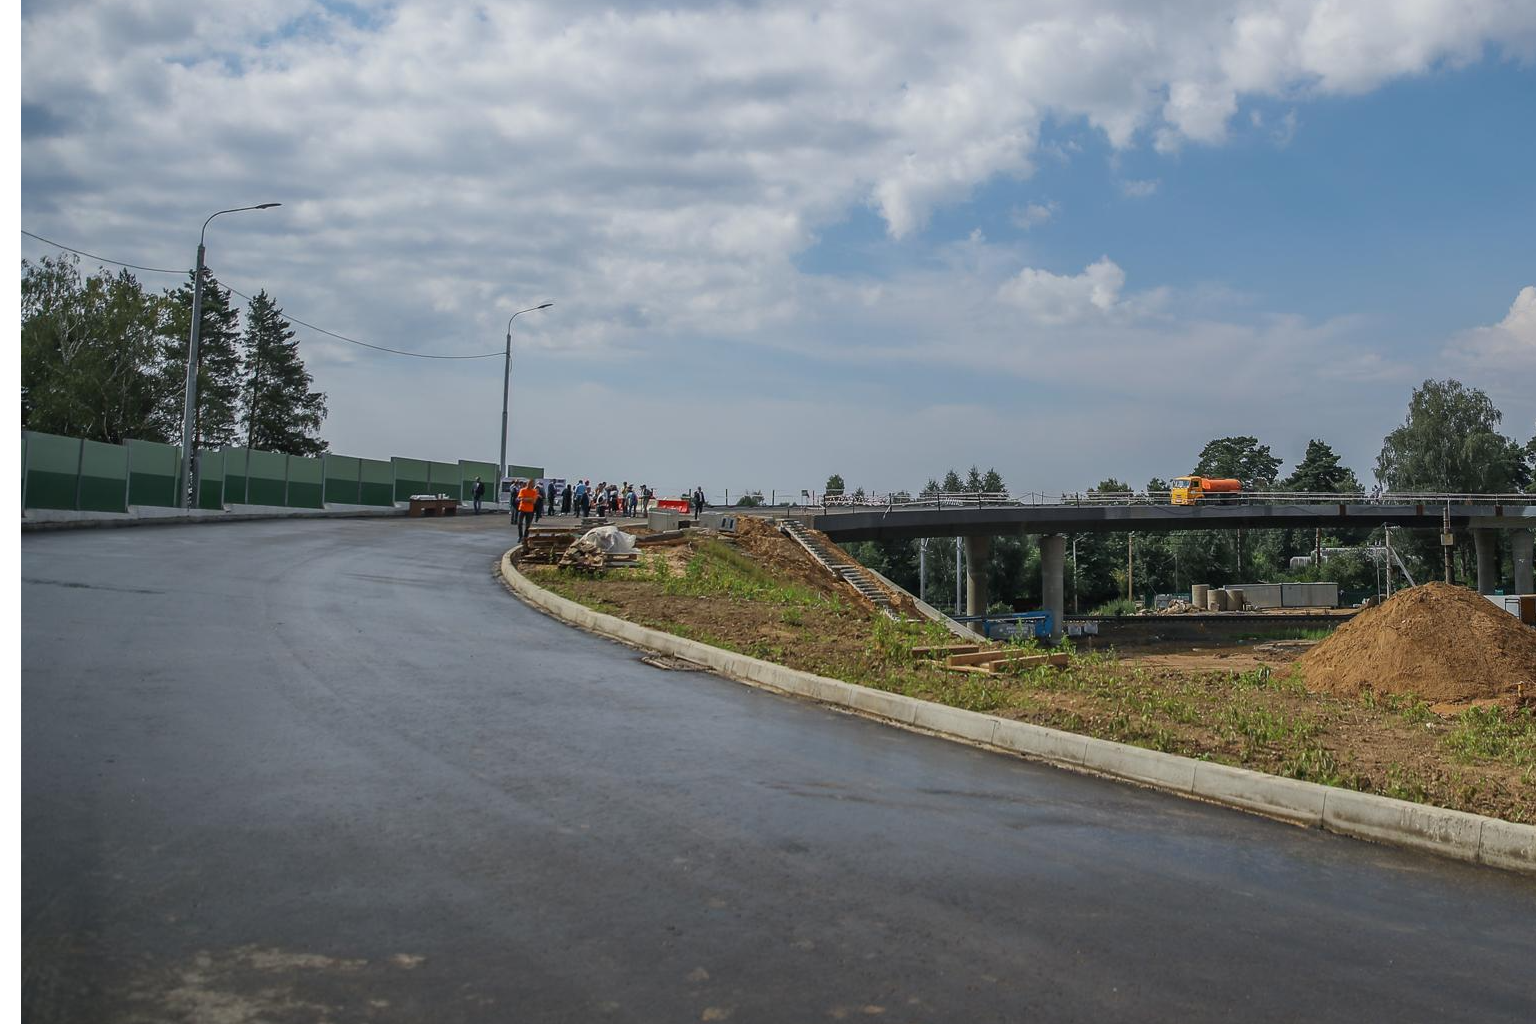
{"x":1505,"y":350}
{"x":1138,"y":189}
{"x":1034,"y":214}
{"x":1055,"y":299}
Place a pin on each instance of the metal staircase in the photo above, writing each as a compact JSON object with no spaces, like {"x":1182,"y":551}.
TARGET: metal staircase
{"x":849,"y":572}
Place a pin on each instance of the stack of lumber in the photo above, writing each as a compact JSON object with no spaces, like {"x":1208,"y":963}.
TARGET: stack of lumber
{"x":988,"y":659}
{"x":593,"y":559}
{"x":547,"y":545}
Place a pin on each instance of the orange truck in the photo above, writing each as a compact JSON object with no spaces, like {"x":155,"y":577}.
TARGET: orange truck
{"x":1191,"y":490}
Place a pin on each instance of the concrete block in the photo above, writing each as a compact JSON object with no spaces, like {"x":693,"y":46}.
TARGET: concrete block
{"x":1288,"y":799}
{"x":1448,"y":833}
{"x":1038,"y":741}
{"x":1505,"y":844}
{"x":1153,"y":767}
{"x":662,"y":520}
{"x":725,"y":522}
{"x":894,"y":706}
{"x":967,"y":725}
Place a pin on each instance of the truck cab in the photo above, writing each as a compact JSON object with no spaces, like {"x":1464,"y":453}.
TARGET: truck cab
{"x":1184,"y":490}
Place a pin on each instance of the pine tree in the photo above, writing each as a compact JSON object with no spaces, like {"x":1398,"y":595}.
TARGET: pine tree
{"x":282,"y":414}
{"x":218,"y":364}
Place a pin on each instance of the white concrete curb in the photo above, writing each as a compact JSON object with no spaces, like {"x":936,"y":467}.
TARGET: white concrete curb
{"x":1454,"y":834}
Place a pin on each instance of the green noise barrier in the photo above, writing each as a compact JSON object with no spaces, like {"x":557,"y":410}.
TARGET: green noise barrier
{"x":210,"y":480}
{"x":486,"y":471}
{"x":103,"y":477}
{"x":343,"y":480}
{"x":237,"y":463}
{"x":376,"y":484}
{"x":411,"y":477}
{"x":53,"y":471}
{"x":443,"y":478}
{"x":306,"y":482}
{"x":153,"y":470}
{"x":267,"y":479}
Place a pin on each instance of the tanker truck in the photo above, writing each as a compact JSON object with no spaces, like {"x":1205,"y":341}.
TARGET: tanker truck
{"x":1192,"y":490}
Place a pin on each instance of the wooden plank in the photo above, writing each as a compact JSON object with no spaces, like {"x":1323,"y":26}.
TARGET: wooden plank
{"x":945,"y":649}
{"x":1010,"y":655}
{"x":1029,"y":661}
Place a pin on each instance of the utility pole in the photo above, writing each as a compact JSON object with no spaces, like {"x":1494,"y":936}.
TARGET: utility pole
{"x":1447,"y":540}
{"x":959,"y":577}
{"x":187,"y":498}
{"x":922,"y":569}
{"x":1130,"y":567}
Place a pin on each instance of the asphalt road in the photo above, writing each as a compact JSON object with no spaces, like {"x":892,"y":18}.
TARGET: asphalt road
{"x":332,"y":770}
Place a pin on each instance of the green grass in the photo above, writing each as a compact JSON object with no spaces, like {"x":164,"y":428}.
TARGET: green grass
{"x":1494,"y":734}
{"x":719,"y":570}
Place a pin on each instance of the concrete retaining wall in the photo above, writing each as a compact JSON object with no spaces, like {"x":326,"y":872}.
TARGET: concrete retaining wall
{"x":1455,"y":834}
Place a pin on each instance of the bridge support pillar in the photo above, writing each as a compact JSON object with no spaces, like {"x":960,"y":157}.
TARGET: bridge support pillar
{"x":977,"y":550}
{"x":1487,"y":543}
{"x":1521,"y":543}
{"x":1053,"y":580}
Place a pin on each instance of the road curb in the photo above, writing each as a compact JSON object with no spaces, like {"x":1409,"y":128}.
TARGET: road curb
{"x":1447,"y":833}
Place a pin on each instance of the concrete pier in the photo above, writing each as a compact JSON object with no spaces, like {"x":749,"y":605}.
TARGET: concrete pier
{"x":1520,"y":545}
{"x":977,"y":550}
{"x":1487,"y":543}
{"x":1053,"y":588}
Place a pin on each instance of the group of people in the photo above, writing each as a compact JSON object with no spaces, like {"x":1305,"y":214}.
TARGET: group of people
{"x":534,"y":500}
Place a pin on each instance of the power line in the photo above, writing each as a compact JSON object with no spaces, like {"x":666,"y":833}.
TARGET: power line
{"x":286,"y":316}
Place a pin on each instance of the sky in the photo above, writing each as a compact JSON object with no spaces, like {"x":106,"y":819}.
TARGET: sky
{"x":1068,"y":239}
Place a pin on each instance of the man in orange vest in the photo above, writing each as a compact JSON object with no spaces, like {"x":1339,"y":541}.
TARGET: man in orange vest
{"x":527,"y":497}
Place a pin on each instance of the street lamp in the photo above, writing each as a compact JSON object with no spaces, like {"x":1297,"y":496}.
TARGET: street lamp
{"x":189,"y":414}
{"x":506,"y":388}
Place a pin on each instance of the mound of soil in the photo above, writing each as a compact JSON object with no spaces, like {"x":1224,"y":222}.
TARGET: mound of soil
{"x":1442,"y":643}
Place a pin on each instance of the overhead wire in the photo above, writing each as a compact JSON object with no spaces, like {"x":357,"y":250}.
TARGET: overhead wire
{"x":286,"y":316}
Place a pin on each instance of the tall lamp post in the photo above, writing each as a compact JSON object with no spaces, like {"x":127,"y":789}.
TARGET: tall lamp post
{"x":189,"y":414}
{"x":506,"y":388}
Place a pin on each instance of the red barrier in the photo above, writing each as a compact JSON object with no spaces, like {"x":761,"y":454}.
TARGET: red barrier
{"x":672,"y":505}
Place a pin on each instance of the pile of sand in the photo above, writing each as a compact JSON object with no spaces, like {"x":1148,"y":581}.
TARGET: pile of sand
{"x":1441,"y":643}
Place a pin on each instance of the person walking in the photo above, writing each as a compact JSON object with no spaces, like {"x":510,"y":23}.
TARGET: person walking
{"x":527,"y":501}
{"x":581,"y":498}
{"x":565,"y":500}
{"x":645,"y":499}
{"x":479,"y":494}
{"x":698,"y":501}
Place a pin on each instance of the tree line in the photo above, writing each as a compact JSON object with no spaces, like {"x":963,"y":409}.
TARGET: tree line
{"x":104,"y":359}
{"x":1450,"y":442}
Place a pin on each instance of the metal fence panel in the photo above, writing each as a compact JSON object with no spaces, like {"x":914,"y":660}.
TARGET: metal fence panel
{"x":444,"y":478}
{"x":237,"y":481}
{"x":153,"y":471}
{"x":103,"y":477}
{"x":210,"y":480}
{"x":486,"y":471}
{"x":377,"y":485}
{"x":343,"y":480}
{"x":268,"y":478}
{"x":53,"y":471}
{"x":306,"y":482}
{"x":412,"y":476}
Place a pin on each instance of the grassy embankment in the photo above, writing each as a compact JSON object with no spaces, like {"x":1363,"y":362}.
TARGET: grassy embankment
{"x":1481,"y":760}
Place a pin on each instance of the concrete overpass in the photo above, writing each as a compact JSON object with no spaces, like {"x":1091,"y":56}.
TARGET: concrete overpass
{"x":979,"y":519}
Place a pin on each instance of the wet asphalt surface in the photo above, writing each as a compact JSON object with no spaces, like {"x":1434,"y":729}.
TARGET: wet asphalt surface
{"x":332,"y":770}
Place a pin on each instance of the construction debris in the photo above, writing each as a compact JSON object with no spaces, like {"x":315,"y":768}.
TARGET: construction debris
{"x":606,"y":547}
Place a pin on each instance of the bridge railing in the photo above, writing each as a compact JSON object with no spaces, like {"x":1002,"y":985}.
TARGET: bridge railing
{"x":835,"y":502}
